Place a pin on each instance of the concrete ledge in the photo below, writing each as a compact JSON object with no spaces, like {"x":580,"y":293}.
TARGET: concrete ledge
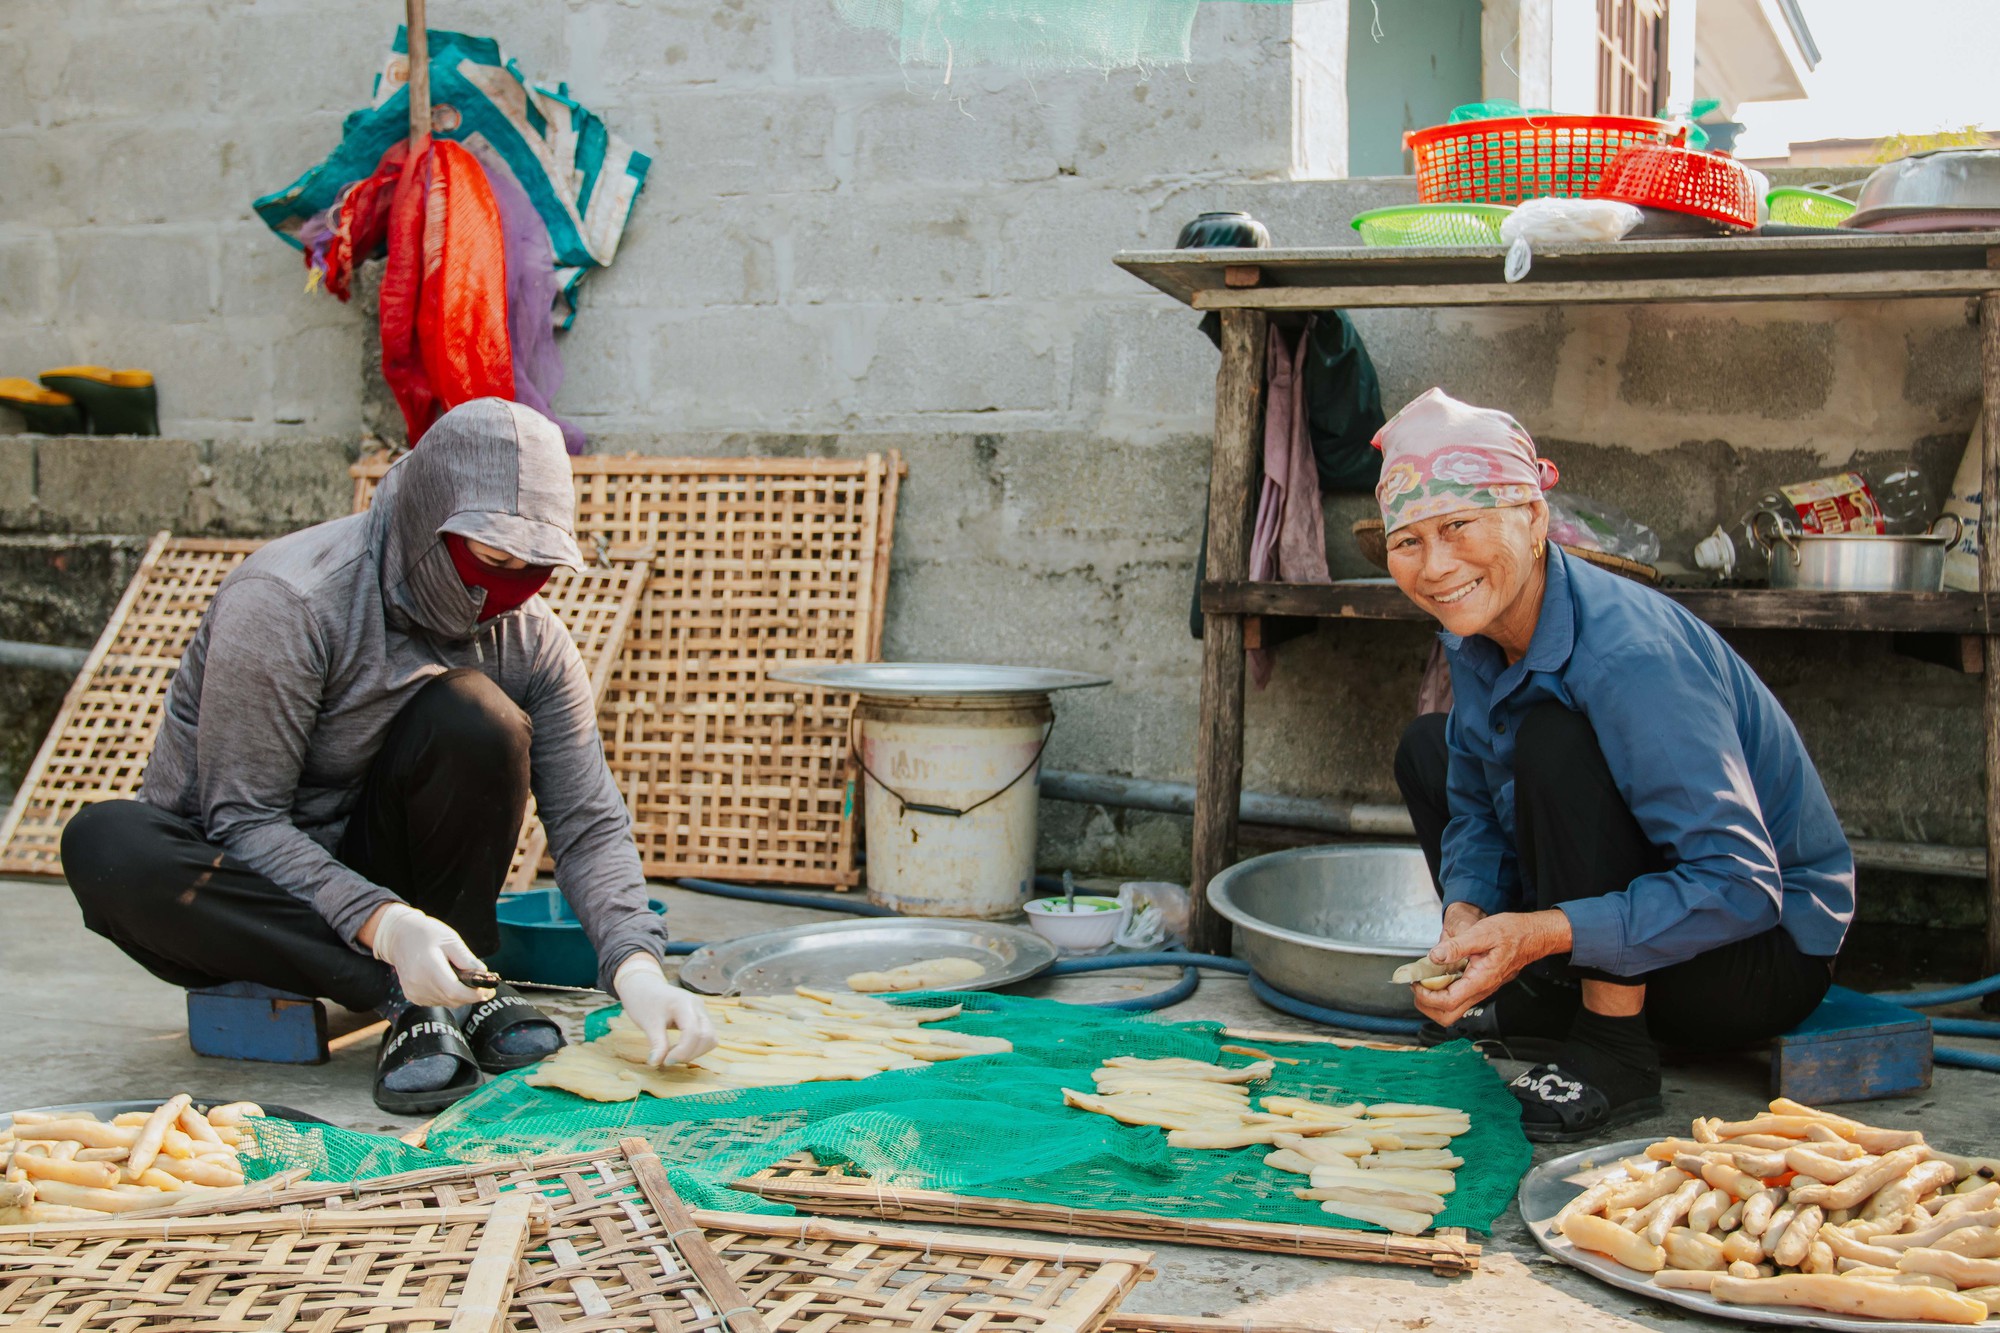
{"x":127,"y":483}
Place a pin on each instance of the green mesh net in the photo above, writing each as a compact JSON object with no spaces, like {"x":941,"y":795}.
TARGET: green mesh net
{"x":1033,"y":35}
{"x":993,"y":1126}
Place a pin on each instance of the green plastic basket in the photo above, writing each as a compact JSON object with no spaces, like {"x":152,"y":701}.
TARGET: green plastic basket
{"x":1432,"y":224}
{"x":1808,"y":208}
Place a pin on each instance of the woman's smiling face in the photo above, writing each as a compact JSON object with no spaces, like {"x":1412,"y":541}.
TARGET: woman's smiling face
{"x":1470,"y":569}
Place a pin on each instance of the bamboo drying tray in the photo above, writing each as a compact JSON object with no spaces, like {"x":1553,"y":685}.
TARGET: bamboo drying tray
{"x":96,"y":750}
{"x":599,"y":1268}
{"x":420,"y":1270}
{"x":817,"y":1189}
{"x":755,"y":562}
{"x":97,"y":747}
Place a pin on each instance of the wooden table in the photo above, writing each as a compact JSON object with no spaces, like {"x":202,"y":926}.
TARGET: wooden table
{"x":1246,"y":286}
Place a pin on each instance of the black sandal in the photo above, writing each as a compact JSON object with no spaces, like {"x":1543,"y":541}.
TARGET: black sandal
{"x":486,"y":1022}
{"x":1562,"y":1108}
{"x":416,"y":1032}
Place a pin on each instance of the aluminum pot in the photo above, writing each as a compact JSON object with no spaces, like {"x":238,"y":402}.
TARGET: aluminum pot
{"x":1944,"y":181}
{"x":1329,"y":924}
{"x":1857,"y":561}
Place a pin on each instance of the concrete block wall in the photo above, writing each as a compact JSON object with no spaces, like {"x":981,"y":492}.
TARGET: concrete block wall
{"x":833,"y":256}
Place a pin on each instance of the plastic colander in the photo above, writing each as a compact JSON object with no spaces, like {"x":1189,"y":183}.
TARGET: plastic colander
{"x":1808,"y":208}
{"x":1432,"y":224}
{"x":1682,"y":180}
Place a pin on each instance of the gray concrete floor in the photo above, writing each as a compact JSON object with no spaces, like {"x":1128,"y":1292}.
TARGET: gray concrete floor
{"x":82,"y":1023}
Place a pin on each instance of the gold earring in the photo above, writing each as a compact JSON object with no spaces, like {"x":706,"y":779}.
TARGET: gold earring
{"x":1540,"y":548}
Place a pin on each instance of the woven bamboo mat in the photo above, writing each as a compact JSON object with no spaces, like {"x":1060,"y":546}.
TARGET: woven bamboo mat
{"x":813,"y":1188}
{"x":97,"y":747}
{"x":424,"y":1269}
{"x":600,"y":1267}
{"x":755,"y":562}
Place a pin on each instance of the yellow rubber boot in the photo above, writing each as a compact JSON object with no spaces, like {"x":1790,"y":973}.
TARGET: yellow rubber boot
{"x":45,"y":411}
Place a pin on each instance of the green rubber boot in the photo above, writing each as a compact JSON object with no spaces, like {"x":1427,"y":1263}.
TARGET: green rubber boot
{"x":114,"y":402}
{"x":44,"y":411}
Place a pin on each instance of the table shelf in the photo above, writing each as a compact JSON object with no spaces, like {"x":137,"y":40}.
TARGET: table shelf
{"x":1724,"y":608}
{"x":1250,"y":288}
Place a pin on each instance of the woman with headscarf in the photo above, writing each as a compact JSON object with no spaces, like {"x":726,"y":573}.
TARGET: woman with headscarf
{"x":345,"y":760}
{"x":1633,"y":847}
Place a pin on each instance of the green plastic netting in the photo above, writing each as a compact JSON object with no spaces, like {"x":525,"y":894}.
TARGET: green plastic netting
{"x":1034,"y":35}
{"x":992,"y":1126}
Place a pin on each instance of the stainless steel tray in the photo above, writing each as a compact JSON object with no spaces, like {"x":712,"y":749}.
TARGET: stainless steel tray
{"x":776,"y":961}
{"x":1555,"y":1182}
{"x":941,"y":679}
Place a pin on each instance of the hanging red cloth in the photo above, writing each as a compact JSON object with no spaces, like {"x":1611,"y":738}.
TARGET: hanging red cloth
{"x":361,"y":220}
{"x":444,"y":291}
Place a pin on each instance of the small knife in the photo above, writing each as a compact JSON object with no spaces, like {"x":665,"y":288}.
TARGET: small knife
{"x":472,"y":978}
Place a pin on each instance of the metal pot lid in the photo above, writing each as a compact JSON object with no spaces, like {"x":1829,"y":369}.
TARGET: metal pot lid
{"x":936,"y":679}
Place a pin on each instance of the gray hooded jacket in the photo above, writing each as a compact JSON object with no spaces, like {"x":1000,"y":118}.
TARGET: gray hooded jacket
{"x":316,"y":642}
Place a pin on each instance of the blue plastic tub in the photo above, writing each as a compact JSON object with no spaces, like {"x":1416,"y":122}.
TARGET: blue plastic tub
{"x":541,"y":940}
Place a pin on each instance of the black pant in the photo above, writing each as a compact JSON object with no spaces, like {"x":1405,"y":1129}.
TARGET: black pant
{"x":1575,"y":837}
{"x":436,"y":823}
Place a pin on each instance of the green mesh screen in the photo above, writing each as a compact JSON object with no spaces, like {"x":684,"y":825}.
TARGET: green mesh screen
{"x":993,"y":1126}
{"x":1033,"y":35}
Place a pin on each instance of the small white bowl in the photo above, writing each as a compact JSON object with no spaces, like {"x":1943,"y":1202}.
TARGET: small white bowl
{"x":1094,"y":924}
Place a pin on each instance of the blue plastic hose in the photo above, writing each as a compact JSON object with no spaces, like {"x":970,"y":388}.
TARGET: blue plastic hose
{"x":828,"y":902}
{"x":1964,"y":1059}
{"x":1338,"y":1018}
{"x":1954,"y":995}
{"x":1966,"y":1027}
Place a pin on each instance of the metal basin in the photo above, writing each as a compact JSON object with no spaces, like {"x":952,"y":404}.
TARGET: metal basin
{"x":1329,"y":924}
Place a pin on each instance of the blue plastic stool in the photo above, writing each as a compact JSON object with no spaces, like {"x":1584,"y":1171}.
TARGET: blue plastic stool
{"x":245,"y":1021}
{"x":1852,"y":1048}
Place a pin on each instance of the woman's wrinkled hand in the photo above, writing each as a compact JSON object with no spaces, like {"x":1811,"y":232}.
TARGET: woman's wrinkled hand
{"x":1493,"y":950}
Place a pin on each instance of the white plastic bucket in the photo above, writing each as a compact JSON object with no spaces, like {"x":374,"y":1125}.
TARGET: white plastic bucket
{"x":954,"y":754}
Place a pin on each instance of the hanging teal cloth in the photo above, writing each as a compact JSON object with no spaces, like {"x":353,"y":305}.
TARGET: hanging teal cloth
{"x":580,"y":178}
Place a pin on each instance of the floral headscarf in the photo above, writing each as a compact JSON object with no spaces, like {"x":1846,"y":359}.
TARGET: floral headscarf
{"x":1440,"y":456}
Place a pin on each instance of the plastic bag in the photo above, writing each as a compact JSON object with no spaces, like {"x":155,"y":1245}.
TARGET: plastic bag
{"x":1562,"y":221}
{"x":1158,"y":914}
{"x":1592,"y":525}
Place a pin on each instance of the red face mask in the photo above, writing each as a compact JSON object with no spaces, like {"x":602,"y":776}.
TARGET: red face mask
{"x":505,"y":588}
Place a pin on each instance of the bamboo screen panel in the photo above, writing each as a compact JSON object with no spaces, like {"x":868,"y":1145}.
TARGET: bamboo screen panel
{"x":96,"y":749}
{"x":755,"y":563}
{"x":429,"y":1269}
{"x":600,"y":1266}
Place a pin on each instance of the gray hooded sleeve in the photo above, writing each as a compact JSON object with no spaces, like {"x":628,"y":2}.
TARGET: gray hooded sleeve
{"x":590,"y":831}
{"x":260,"y":700}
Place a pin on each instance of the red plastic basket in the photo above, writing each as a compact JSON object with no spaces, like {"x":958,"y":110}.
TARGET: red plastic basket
{"x":1682,"y":180}
{"x":1510,"y":158}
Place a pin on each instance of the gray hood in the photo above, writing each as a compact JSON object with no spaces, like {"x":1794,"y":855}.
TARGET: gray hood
{"x":490,"y":470}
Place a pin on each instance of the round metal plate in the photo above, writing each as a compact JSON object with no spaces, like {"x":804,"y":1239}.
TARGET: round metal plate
{"x":105,"y":1110}
{"x":778,"y":961}
{"x":1555,"y":1182}
{"x":936,"y":679}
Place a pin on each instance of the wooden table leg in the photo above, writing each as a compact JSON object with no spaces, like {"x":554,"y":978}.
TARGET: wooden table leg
{"x":1218,"y":778}
{"x":1989,"y":584}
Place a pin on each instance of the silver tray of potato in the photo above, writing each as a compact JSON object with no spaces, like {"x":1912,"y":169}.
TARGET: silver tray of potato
{"x":874,"y":957}
{"x":87,"y":1161}
{"x":1589,"y":1182}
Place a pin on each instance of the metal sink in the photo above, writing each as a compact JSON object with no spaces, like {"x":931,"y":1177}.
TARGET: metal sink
{"x":1329,"y":924}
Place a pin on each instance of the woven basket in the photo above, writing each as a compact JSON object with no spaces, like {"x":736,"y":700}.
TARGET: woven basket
{"x":1506,"y":159}
{"x":1374,"y":546}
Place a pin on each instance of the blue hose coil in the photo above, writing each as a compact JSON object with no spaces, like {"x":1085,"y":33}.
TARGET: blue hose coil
{"x":1338,"y":1018}
{"x":826,"y":902}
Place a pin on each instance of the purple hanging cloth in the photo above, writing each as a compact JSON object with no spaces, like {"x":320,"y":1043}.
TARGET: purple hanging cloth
{"x":1289,"y":540}
{"x":531,"y":296}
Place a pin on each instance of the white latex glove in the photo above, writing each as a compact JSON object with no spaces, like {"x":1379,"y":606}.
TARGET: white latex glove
{"x":655,"y":1004}
{"x":423,"y":951}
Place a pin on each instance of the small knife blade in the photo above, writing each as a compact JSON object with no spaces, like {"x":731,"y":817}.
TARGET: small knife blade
{"x":472,"y":978}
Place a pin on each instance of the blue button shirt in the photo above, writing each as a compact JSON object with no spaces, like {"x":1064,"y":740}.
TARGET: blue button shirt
{"x":1712,"y":768}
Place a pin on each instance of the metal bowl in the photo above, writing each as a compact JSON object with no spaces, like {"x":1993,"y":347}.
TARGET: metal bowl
{"x":1329,"y":924}
{"x":1947,"y":180}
